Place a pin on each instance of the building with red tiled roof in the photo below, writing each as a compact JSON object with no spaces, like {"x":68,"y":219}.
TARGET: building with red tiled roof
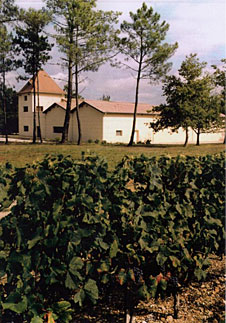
{"x":100,"y":120}
{"x":44,"y":84}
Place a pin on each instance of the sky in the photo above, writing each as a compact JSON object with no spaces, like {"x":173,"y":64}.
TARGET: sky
{"x":199,"y":26}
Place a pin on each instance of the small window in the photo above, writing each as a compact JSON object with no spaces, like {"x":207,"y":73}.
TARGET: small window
{"x":118,"y":132}
{"x":39,"y":108}
{"x":57,"y":129}
{"x":26,"y":128}
{"x":25,"y":109}
{"x":25,"y":98}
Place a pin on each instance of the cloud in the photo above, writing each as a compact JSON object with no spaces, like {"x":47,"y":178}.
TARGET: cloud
{"x":198,"y":27}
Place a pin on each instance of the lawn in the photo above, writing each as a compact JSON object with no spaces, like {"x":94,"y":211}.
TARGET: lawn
{"x":21,"y":154}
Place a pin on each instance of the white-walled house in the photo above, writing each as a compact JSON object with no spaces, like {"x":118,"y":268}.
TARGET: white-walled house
{"x":100,"y":120}
{"x":49,"y":92}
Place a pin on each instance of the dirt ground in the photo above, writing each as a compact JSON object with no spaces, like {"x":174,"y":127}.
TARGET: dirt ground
{"x":199,"y":302}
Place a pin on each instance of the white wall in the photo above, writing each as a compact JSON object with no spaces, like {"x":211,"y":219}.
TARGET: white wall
{"x":114,"y":122}
{"x":26,"y":118}
{"x":169,"y":137}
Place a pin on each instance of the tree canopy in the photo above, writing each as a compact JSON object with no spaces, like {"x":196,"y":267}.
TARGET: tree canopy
{"x":142,"y":44}
{"x":190,"y":101}
{"x":86,"y":38}
{"x":34,"y":47}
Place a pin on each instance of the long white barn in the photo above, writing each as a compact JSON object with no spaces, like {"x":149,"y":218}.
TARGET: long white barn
{"x":100,"y":120}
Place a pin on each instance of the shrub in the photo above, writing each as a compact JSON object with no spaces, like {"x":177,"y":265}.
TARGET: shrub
{"x":77,"y":229}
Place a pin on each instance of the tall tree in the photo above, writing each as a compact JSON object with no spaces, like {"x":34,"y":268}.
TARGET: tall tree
{"x":219,"y":77}
{"x":190,"y":101}
{"x":8,"y":12}
{"x":143,"y":45}
{"x":34,"y":47}
{"x":86,"y":38}
{"x":6,"y":65}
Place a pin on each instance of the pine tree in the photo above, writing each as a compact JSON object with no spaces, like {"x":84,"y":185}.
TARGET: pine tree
{"x":143,"y":46}
{"x":34,"y":47}
{"x":86,"y":38}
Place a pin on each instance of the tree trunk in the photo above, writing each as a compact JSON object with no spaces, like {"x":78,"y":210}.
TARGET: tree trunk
{"x":129,"y":309}
{"x":68,"y":108}
{"x":186,"y":137}
{"x":69,"y":94}
{"x":5,"y":108}
{"x":176,"y":304}
{"x":76,"y":93}
{"x":136,"y":100}
{"x":198,"y":135}
{"x":77,"y":106}
{"x":39,"y":122}
{"x":34,"y":113}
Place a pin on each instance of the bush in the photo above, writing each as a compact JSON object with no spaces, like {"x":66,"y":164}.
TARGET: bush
{"x":77,"y":230}
{"x":97,"y":141}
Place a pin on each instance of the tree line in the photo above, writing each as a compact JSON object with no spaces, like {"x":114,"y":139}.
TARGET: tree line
{"x":87,"y":38}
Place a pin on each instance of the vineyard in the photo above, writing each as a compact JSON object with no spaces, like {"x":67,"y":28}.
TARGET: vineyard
{"x":80,"y":235}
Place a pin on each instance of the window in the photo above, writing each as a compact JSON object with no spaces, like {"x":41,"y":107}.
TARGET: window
{"x":118,"y":132}
{"x":57,"y":129}
{"x":26,"y":128}
{"x":39,"y":108}
{"x":25,"y":98}
{"x":25,"y":109}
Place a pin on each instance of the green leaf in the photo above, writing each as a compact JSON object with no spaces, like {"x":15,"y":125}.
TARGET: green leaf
{"x":122,"y":277}
{"x":69,"y":283}
{"x":199,"y":273}
{"x":76,"y":263}
{"x":113,"y":249}
{"x":161,"y":259}
{"x":36,"y":319}
{"x":32,"y":243}
{"x":16,"y":307}
{"x":91,"y":290}
{"x":175,"y":261}
{"x":79,"y":297}
{"x":143,"y":292}
{"x":62,"y":305}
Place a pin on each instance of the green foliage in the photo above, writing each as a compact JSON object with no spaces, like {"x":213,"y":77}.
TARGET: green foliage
{"x":86,"y":37}
{"x":77,"y":230}
{"x":5,"y":178}
{"x":12,"y":111}
{"x":142,"y":43}
{"x":219,"y":77}
{"x":190,"y":101}
{"x":31,"y":41}
{"x":8,"y":11}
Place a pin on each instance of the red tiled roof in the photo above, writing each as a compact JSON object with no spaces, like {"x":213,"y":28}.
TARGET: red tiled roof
{"x":46,"y":85}
{"x":118,"y":107}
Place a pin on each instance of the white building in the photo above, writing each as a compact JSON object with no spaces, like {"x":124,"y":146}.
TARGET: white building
{"x":100,"y":120}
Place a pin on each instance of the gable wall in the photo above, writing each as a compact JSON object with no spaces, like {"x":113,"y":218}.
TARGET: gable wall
{"x":91,"y":124}
{"x":54,"y":118}
{"x":26,"y":118}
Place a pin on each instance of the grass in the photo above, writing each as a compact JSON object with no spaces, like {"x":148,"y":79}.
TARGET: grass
{"x":21,"y":154}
